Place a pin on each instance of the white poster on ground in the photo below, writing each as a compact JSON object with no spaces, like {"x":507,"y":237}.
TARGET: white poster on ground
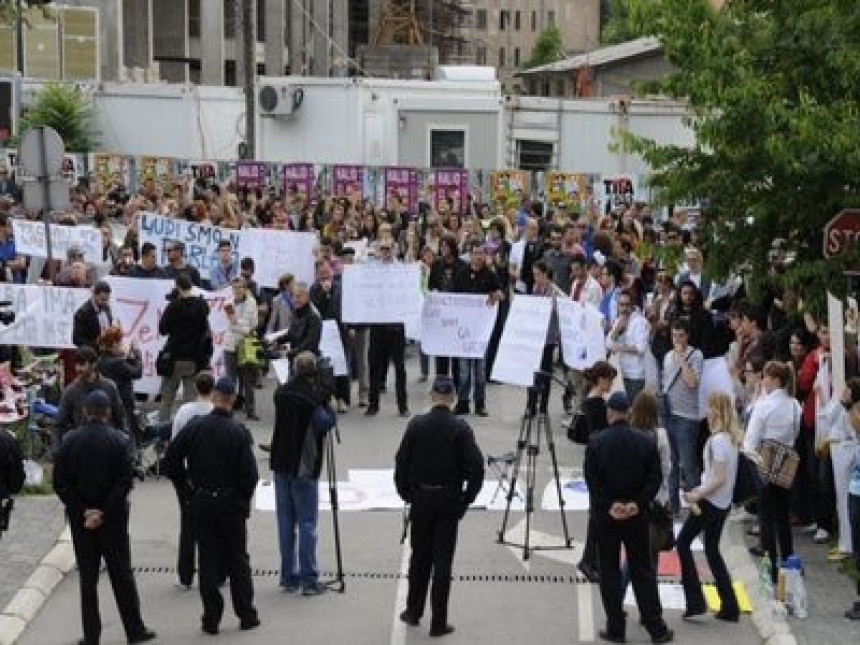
{"x":30,"y":240}
{"x":381,"y":293}
{"x":523,"y":338}
{"x":581,"y":330}
{"x":331,"y":346}
{"x":43,"y":314}
{"x":457,"y":324}
{"x":138,"y":305}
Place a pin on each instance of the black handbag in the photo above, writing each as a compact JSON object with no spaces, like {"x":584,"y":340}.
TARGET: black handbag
{"x":661,"y":529}
{"x":748,"y":481}
{"x":577,"y":431}
{"x":164,"y":363}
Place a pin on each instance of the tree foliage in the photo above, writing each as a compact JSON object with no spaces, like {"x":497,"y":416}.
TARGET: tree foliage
{"x":548,"y":48}
{"x":621,"y":22}
{"x":66,"y":109}
{"x":774,"y":92}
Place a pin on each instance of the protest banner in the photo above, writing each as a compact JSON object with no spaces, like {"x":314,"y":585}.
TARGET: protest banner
{"x":523,"y":338}
{"x":43,"y":314}
{"x":331,"y":346}
{"x":581,"y":330}
{"x":274,"y":252}
{"x":348,"y":181}
{"x":616,"y":190}
{"x":158,"y":170}
{"x":507,"y":187}
{"x":138,"y":305}
{"x":836,"y":323}
{"x":299,"y":182}
{"x":401,"y":184}
{"x":109,"y":170}
{"x":451,"y":186}
{"x":715,"y":378}
{"x":30,"y":240}
{"x":381,"y":293}
{"x":456,"y":324}
{"x":566,"y":189}
{"x":251,"y":174}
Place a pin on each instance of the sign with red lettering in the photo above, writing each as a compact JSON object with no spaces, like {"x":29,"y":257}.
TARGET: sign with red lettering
{"x":842,"y":232}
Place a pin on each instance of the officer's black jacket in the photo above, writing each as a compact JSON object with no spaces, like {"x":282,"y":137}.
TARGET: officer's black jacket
{"x":93,"y":469}
{"x":12,"y":474}
{"x":621,"y":465}
{"x":439,"y":448}
{"x":213,"y":453}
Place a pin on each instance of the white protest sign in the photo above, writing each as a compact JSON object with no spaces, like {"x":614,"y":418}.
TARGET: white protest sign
{"x":30,"y":240}
{"x":581,"y":330}
{"x":331,"y":346}
{"x":275,"y":252}
{"x":43,"y":314}
{"x":138,"y":305}
{"x":523,"y":338}
{"x":381,"y":293}
{"x":836,"y":324}
{"x":715,"y":378}
{"x":456,"y":324}
{"x":518,"y":250}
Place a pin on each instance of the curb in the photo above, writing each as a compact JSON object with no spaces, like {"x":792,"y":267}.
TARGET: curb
{"x":30,"y":598}
{"x":773,"y":630}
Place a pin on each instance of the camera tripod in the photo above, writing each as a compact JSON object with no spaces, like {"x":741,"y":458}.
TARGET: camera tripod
{"x":337,"y":583}
{"x":534,"y":429}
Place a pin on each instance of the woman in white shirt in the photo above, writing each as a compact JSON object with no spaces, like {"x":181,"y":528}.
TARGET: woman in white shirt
{"x":710,"y":504}
{"x":775,"y":417}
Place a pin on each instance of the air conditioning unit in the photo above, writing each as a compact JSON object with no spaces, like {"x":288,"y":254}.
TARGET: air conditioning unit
{"x":279,"y":100}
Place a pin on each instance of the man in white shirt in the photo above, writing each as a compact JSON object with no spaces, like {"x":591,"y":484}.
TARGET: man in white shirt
{"x":629,"y":339}
{"x":204,"y":383}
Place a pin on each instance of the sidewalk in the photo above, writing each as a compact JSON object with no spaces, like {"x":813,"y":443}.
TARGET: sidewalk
{"x":36,"y":524}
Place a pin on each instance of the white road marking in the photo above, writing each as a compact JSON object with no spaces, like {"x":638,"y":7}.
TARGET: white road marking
{"x":398,"y":627}
{"x":585,"y":612}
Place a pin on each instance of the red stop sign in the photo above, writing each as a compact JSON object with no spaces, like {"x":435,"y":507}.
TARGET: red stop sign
{"x":842,"y":232}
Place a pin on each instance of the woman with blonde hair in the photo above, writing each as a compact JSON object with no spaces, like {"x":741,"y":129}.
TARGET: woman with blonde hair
{"x":710,"y":504}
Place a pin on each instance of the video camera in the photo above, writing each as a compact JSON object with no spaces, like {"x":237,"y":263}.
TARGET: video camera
{"x":324,"y":379}
{"x":7,"y":316}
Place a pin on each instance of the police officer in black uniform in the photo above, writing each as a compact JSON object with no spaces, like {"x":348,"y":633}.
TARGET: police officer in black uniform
{"x":12,"y":475}
{"x":212,"y":460}
{"x":622,"y":470}
{"x":93,"y":477}
{"x":437,"y":456}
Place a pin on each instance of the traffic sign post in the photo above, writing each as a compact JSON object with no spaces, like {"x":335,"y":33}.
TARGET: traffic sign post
{"x":41,"y":156}
{"x":842,"y":232}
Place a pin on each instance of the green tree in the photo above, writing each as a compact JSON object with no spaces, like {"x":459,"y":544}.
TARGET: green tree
{"x":774,"y":93}
{"x":548,"y":48}
{"x":619,"y":23}
{"x":66,"y":109}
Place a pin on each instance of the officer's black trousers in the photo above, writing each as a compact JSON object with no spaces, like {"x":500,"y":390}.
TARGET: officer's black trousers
{"x":222,"y":542}
{"x":110,"y":542}
{"x":387,"y":344}
{"x":187,"y":543}
{"x":633,"y":534}
{"x":434,"y":538}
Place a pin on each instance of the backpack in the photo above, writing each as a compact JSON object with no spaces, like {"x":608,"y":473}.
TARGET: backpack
{"x":323,"y":419}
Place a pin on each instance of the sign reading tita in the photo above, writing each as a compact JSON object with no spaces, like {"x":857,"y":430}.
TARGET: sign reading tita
{"x":842,"y":232}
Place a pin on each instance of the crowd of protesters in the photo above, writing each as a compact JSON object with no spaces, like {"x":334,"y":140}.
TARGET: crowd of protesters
{"x":664,"y":318}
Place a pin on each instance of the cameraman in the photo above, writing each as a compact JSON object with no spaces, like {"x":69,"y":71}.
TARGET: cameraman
{"x":11,"y":476}
{"x":297,"y":452}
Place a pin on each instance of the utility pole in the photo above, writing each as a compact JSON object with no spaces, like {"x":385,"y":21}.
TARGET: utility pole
{"x":17,"y":86}
{"x":249,"y":61}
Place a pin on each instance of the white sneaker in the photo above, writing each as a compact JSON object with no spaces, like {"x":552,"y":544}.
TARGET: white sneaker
{"x":821,"y":536}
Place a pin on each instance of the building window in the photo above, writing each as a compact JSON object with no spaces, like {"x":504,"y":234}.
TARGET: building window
{"x":501,"y":56}
{"x":229,"y":18}
{"x":261,"y":21}
{"x":480,"y":55}
{"x":504,"y":19}
{"x":447,"y":148}
{"x":559,"y":87}
{"x":516,"y":56}
{"x":534,"y":155}
{"x":517,"y":19}
{"x":194,"y":18}
{"x":534,"y":20}
{"x":550,"y":18}
{"x":481,"y":19}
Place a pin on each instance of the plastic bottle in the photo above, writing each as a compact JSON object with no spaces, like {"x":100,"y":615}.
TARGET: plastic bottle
{"x":797,"y":597}
{"x":766,"y":576}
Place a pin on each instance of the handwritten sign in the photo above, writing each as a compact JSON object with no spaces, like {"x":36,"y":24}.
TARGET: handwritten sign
{"x":581,"y":330}
{"x":456,"y":324}
{"x":43,"y":314}
{"x":616,"y":190}
{"x":381,"y":293}
{"x":523,"y":337}
{"x":278,"y":252}
{"x":30,"y":240}
{"x":331,"y":346}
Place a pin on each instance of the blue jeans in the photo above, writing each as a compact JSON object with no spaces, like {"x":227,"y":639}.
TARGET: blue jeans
{"x":683,"y":435}
{"x":468,"y":368}
{"x":297,"y":505}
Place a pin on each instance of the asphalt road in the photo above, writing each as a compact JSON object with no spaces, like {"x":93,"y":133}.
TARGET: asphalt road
{"x":496,"y":597}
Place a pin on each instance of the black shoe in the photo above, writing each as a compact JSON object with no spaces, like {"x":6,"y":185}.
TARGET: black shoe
{"x":250,"y":623}
{"x":462,"y":408}
{"x":212,"y":630}
{"x":265,"y":447}
{"x":591,"y":573}
{"x":408,"y":618}
{"x":692,"y":612}
{"x":145,"y":636}
{"x":313,"y":590}
{"x":756,"y":551}
{"x":482,"y":412}
{"x":731,"y":617}
{"x":404,"y":411}
{"x":251,"y":416}
{"x":372,"y":410}
{"x":612,"y":638}
{"x":853,"y":613}
{"x":666,"y":637}
{"x":436,"y":632}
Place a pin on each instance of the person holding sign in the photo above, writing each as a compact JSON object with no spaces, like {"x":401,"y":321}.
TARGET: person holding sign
{"x":177,"y":265}
{"x":476,"y":277}
{"x":544,"y":286}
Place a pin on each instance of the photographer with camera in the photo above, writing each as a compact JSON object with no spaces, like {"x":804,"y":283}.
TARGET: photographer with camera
{"x":296,"y":461}
{"x":11,"y":476}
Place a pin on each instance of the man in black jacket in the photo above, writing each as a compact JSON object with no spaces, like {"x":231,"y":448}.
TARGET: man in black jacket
{"x":185,"y":322}
{"x":297,"y":452}
{"x":12,"y":475}
{"x":437,"y":457}
{"x":93,"y":317}
{"x":212,"y":461}
{"x":306,"y":327}
{"x":93,"y":477}
{"x":622,"y":471}
{"x":441,"y":278}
